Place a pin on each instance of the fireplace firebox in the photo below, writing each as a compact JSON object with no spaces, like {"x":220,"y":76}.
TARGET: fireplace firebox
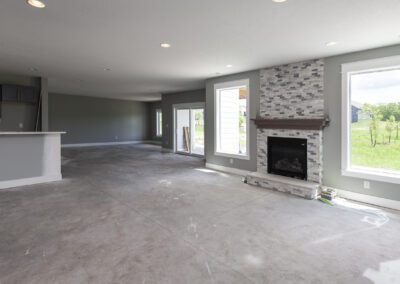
{"x":287,"y":157}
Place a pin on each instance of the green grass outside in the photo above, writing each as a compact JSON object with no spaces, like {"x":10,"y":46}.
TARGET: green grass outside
{"x":199,"y":135}
{"x":383,"y":155}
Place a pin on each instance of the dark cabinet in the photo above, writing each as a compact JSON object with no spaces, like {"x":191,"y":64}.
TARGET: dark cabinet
{"x":9,"y":93}
{"x":14,"y":93}
{"x":27,"y":95}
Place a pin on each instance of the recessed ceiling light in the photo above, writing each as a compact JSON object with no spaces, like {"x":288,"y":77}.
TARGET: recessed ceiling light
{"x":229,"y":66}
{"x":165,"y":45}
{"x":36,"y":3}
{"x":279,"y":1}
{"x":331,"y":43}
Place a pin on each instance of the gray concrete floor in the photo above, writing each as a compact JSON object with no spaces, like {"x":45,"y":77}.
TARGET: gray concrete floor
{"x":132,"y":214}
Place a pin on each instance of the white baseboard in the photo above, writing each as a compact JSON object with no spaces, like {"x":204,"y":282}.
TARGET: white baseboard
{"x":28,"y":181}
{"x":227,"y":169}
{"x":369,"y":199}
{"x":102,"y":144}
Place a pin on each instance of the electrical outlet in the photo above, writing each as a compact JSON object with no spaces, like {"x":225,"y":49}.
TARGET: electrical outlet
{"x":366,"y":184}
{"x":231,"y":160}
{"x":21,"y":125}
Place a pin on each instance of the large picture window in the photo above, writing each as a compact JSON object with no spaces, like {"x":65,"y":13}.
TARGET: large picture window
{"x":371,"y":119}
{"x":232,"y":119}
{"x":159,"y":122}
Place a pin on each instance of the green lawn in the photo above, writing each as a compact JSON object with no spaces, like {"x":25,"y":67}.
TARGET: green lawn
{"x":383,"y":155}
{"x":199,"y":135}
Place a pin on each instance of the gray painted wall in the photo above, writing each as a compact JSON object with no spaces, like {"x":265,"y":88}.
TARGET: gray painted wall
{"x":250,"y":165}
{"x":12,"y":114}
{"x":153,"y":121}
{"x":332,"y":134}
{"x":168,"y":100}
{"x":91,"y":120}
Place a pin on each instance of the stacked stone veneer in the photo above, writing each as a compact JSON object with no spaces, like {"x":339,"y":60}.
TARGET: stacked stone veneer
{"x":314,"y":150}
{"x":293,"y":91}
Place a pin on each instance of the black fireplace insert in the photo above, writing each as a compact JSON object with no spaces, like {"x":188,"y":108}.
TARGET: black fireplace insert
{"x":287,"y":157}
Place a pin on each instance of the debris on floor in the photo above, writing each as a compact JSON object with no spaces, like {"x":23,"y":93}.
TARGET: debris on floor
{"x":328,"y":193}
{"x":326,"y":201}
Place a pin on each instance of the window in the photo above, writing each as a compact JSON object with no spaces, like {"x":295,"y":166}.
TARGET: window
{"x":159,"y":122}
{"x":371,"y":119}
{"x":231,"y":119}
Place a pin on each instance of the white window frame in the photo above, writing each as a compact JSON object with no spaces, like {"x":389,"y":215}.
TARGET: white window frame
{"x":349,"y":69}
{"x":158,"y":126}
{"x":229,"y":85}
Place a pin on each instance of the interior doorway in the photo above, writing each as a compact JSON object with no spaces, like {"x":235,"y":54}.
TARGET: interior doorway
{"x":189,"y":129}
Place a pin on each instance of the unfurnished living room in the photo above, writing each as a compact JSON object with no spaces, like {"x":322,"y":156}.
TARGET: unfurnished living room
{"x":179,"y":141}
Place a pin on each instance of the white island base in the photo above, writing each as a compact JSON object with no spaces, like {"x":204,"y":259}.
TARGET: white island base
{"x":29,"y":158}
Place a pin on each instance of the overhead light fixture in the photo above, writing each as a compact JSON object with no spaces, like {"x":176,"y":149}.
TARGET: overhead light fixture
{"x":279,"y":1}
{"x":36,"y":3}
{"x":331,"y":43}
{"x":165,"y":45}
{"x":229,"y":66}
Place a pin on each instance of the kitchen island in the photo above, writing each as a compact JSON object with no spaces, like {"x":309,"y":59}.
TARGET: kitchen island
{"x":29,"y":158}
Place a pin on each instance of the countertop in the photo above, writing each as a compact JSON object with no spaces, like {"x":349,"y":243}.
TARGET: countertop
{"x":31,"y":133}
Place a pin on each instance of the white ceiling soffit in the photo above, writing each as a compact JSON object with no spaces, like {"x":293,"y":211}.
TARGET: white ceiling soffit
{"x":74,"y":42}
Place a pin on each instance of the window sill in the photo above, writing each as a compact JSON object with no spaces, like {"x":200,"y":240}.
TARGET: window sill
{"x":371,"y":174}
{"x":234,"y":156}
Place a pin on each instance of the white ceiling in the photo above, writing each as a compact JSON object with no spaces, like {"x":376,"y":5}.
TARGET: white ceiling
{"x":73,"y":41}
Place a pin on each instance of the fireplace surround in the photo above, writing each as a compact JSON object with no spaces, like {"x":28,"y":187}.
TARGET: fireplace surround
{"x":291,"y":109}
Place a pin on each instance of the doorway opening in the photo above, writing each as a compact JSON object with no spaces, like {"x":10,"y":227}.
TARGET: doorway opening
{"x":189,"y":129}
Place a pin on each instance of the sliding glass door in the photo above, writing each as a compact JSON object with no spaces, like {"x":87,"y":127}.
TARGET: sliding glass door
{"x":189,"y":129}
{"x":183,"y":130}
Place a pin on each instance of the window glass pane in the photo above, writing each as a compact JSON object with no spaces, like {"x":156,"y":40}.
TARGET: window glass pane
{"x":374,"y":117}
{"x":159,"y":122}
{"x":197,"y":131}
{"x":183,"y":130}
{"x":232,"y":127}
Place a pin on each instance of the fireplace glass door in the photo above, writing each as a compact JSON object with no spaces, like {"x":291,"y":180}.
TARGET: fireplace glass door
{"x":287,"y":157}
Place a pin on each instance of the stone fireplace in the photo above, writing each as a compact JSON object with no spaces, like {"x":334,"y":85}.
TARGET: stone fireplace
{"x":291,"y":114}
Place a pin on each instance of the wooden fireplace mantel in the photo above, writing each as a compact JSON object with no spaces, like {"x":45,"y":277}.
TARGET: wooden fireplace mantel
{"x":295,"y":124}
